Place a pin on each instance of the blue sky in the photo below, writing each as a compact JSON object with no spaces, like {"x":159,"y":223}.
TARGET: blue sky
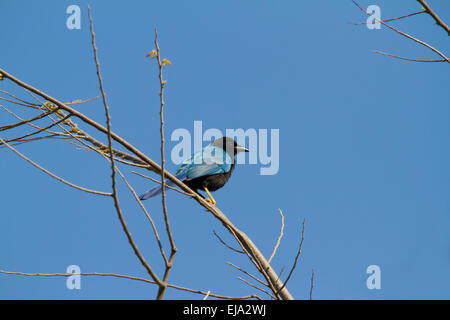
{"x":364,"y":154}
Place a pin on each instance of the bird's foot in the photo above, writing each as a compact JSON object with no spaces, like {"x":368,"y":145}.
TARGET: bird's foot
{"x":210,"y":199}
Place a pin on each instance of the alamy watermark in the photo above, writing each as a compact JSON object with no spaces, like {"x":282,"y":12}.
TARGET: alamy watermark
{"x":74,"y":20}
{"x":374,"y":280}
{"x":73,"y":281}
{"x":258,"y":142}
{"x":373,"y":21}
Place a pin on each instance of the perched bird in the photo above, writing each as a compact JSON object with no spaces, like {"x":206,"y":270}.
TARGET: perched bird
{"x":208,"y":169}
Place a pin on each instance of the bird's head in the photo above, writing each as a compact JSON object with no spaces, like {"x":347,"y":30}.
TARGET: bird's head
{"x":229,"y":145}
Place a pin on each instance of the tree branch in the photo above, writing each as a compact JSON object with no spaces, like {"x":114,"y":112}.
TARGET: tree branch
{"x":312,"y":284}
{"x":244,"y":241}
{"x":407,"y":59}
{"x":393,"y":19}
{"x":169,"y":263}
{"x":439,"y":22}
{"x":101,"y":193}
{"x":115,"y":275}
{"x":113,"y":168}
{"x":297,"y":256}
{"x":226,"y":245}
{"x":279,"y":237}
{"x":404,"y":34}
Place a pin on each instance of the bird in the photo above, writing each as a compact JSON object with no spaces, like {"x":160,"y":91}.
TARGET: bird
{"x":208,"y":169}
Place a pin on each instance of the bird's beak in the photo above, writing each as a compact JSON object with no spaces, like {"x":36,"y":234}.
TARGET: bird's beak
{"x":241,"y":149}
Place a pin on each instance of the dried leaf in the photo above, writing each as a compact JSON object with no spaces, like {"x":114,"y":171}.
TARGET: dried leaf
{"x":151,"y":54}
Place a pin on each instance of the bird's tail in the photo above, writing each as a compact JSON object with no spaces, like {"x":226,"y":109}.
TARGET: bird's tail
{"x":157,"y":190}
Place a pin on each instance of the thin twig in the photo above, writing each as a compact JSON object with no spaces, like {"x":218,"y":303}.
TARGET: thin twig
{"x":17,"y":142}
{"x":256,"y":287}
{"x":31,"y":93}
{"x":296,"y":257}
{"x":255,"y":255}
{"x":407,"y":59}
{"x":116,"y":153}
{"x":169,"y":263}
{"x":26,"y":103}
{"x":155,"y":231}
{"x":279,"y":237}
{"x":21,"y":119}
{"x":113,"y":168}
{"x":404,"y":34}
{"x":142,"y":157}
{"x":259,"y":262}
{"x":388,"y":20}
{"x":40,"y":130}
{"x":82,"y":101}
{"x":247,"y":273}
{"x":20,"y":104}
{"x":226,"y":245}
{"x":42,"y":115}
{"x":115,"y":275}
{"x":101,"y":193}
{"x":435,"y":16}
{"x":281,"y":272}
{"x":312,"y":284}
{"x":101,"y":148}
{"x":157,"y":181}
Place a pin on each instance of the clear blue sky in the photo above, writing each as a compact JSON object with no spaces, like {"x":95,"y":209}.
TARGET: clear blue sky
{"x":364,"y":152}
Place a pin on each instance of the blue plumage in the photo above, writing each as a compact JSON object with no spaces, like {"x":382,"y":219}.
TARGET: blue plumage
{"x":210,"y":160}
{"x":209,"y":168}
{"x":157,"y":190}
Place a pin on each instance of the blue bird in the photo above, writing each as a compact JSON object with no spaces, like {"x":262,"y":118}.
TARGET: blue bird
{"x":208,"y":169}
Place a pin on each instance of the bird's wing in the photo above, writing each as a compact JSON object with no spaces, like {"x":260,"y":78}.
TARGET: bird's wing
{"x":210,"y":160}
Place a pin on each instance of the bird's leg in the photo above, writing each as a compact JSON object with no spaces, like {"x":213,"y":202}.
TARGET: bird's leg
{"x":211,"y":199}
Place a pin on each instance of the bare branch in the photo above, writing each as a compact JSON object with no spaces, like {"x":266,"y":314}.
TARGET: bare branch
{"x":407,"y":59}
{"x":40,"y":130}
{"x":17,"y":141}
{"x":174,"y":249}
{"x":279,"y":237}
{"x":281,"y":272}
{"x":115,"y":275}
{"x":256,"y":287}
{"x":247,"y":273}
{"x":226,"y":245}
{"x":388,"y":20}
{"x":435,"y":16}
{"x":246,"y":243}
{"x":155,"y":231}
{"x":296,"y":257}
{"x":404,"y":34}
{"x":167,"y":186}
{"x":20,"y":104}
{"x":312,"y":284}
{"x":260,"y":263}
{"x":152,"y":165}
{"x":42,"y":115}
{"x":52,"y":174}
{"x":21,"y":119}
{"x":82,"y":101}
{"x":113,"y":168}
{"x":24,"y":102}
